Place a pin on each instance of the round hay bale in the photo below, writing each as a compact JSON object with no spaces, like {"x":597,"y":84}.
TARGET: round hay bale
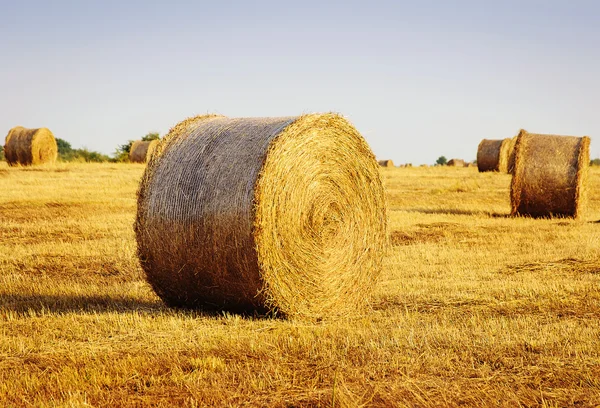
{"x":456,"y":163}
{"x":141,"y":152}
{"x":26,"y":147}
{"x":263,"y":214}
{"x":492,"y":155}
{"x":386,"y":163}
{"x":511,"y":154}
{"x":550,"y":175}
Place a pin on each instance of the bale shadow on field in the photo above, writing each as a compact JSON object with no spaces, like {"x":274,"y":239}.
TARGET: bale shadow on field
{"x":454,"y":211}
{"x":40,"y":303}
{"x":36,"y":304}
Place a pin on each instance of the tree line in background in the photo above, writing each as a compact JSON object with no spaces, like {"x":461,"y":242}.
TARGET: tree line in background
{"x":442,"y":161}
{"x":67,"y":153}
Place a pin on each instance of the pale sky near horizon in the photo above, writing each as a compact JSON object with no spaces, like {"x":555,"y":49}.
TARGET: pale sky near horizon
{"x":418,"y":79}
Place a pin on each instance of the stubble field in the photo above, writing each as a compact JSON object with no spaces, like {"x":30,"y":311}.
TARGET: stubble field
{"x":473,"y":307}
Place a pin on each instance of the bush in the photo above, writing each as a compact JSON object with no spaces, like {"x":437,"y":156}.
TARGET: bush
{"x":67,"y":153}
{"x":595,"y":162}
{"x":151,"y":136}
{"x":1,"y":153}
{"x":442,"y":161}
{"x":122,"y":152}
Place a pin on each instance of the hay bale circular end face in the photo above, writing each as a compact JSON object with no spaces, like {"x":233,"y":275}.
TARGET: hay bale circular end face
{"x":27,"y":147}
{"x":141,"y":151}
{"x":263,"y":214}
{"x":550,"y":175}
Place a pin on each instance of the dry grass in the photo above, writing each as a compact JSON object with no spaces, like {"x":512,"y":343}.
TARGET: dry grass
{"x":474,"y":307}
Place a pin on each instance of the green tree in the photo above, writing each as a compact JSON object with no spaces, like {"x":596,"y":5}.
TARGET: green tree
{"x":441,"y":161}
{"x":1,"y":152}
{"x":151,"y":136}
{"x":595,"y":162}
{"x":64,"y":147}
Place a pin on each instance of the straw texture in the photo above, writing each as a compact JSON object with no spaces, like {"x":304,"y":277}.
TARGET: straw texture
{"x":386,"y":163}
{"x":492,"y":155}
{"x":26,"y":147}
{"x":511,"y":154}
{"x":456,"y":163}
{"x":141,"y":152}
{"x":550,"y":175}
{"x":263,"y":214}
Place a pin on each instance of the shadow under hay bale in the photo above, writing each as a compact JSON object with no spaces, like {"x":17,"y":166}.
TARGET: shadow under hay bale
{"x":263,"y":214}
{"x":456,"y":163}
{"x":492,"y":155}
{"x":550,"y":175}
{"x":386,"y":163}
{"x":141,"y":151}
{"x":26,"y":147}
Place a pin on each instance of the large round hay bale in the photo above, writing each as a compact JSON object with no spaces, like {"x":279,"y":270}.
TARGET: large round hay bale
{"x":141,"y":151}
{"x":263,"y":214}
{"x":550,"y":175}
{"x":26,"y":147}
{"x":386,"y":163}
{"x":492,"y":155}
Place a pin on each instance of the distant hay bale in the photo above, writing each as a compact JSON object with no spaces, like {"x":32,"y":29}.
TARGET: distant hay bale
{"x":492,"y":155}
{"x":263,"y":214}
{"x":141,"y":152}
{"x":28,"y":147}
{"x":456,"y":163}
{"x":550,"y":175}
{"x":386,"y":163}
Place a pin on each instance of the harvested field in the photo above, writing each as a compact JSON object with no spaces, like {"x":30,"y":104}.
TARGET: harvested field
{"x":473,"y":307}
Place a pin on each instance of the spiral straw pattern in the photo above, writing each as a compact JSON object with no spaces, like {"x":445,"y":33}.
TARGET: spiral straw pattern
{"x":263,"y":214}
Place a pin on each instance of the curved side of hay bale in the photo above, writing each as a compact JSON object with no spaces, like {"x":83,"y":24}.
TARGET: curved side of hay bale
{"x":386,"y":163}
{"x":26,"y":147}
{"x":511,"y":153}
{"x":550,"y":175}
{"x":492,"y":155}
{"x":260,"y":214}
{"x":141,"y":152}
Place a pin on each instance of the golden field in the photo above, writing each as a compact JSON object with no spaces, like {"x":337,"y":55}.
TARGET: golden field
{"x":473,"y":308}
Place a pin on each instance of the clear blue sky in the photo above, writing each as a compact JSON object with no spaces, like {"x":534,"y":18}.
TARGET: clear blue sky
{"x":418,"y":79}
